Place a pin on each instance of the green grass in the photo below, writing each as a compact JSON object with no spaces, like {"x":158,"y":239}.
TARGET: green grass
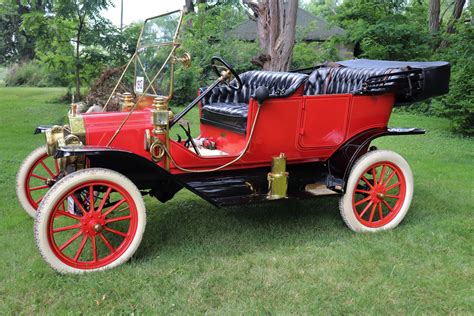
{"x":293,"y":257}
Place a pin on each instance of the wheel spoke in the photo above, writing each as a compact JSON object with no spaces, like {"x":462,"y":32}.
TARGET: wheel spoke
{"x":392,"y":196}
{"x":38,"y":201}
{"x":34,"y":175}
{"x":47,"y":169}
{"x":94,"y":249}
{"x":382,"y":174}
{"x":372,"y":212}
{"x":374,"y":175}
{"x":392,"y":186}
{"x":116,"y":232}
{"x":104,"y":199}
{"x":56,"y":166}
{"x":117,"y":219}
{"x":113,"y":208}
{"x":41,"y":187}
{"x":362,"y":201}
{"x":67,"y":214}
{"x":380,"y":211}
{"x":362,"y":191}
{"x":106,"y":242}
{"x":387,"y":205}
{"x":79,"y":204}
{"x":367,"y":181}
{"x":389,"y":178}
{"x":91,"y":198}
{"x":70,"y":240}
{"x":81,"y":247}
{"x":366,"y":208}
{"x":65,"y":228}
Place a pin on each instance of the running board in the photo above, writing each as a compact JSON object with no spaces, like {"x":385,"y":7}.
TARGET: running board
{"x":249,"y":186}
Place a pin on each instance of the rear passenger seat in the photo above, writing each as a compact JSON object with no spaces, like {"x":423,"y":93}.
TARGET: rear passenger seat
{"x":339,"y":80}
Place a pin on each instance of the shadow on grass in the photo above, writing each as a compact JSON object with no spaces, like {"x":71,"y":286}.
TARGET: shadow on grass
{"x":188,"y":227}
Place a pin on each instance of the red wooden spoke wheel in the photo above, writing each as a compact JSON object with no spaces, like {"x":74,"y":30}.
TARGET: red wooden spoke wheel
{"x":92,"y":220}
{"x":378,"y":193}
{"x":38,"y":173}
{"x":377,"y":201}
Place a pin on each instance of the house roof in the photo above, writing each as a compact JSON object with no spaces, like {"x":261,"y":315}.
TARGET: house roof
{"x":308,"y":28}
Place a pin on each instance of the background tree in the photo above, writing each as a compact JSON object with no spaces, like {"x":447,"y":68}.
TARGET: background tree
{"x":16,"y":44}
{"x":276,"y":28}
{"x":434,"y":13}
{"x":86,"y":24}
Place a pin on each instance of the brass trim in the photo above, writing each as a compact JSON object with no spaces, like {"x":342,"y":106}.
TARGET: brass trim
{"x":278,"y":179}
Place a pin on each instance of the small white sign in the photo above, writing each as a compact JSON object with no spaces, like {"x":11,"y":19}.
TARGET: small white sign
{"x":139,"y":83}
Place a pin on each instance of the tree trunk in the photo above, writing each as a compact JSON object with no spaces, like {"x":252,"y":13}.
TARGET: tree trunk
{"x":276,"y":27}
{"x":189,"y":6}
{"x":458,"y":6}
{"x":457,"y":12}
{"x":434,"y":11}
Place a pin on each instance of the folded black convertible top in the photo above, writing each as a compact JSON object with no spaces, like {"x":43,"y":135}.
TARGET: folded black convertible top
{"x":411,"y":80}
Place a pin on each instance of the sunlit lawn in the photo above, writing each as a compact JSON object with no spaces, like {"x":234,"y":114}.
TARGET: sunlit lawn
{"x":293,"y":257}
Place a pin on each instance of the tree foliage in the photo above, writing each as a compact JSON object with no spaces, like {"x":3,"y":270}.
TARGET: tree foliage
{"x":205,"y":35}
{"x":16,"y":45}
{"x":70,"y":43}
{"x":414,"y":30}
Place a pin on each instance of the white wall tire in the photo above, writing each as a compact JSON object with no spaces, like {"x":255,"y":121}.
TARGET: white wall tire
{"x":370,"y":205}
{"x":97,"y":237}
{"x":31,"y":179}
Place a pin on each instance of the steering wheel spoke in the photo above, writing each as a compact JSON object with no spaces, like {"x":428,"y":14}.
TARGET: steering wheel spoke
{"x":227,"y":74}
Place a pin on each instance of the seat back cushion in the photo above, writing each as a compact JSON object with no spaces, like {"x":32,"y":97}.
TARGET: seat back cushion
{"x":279,"y":84}
{"x":338,"y":80}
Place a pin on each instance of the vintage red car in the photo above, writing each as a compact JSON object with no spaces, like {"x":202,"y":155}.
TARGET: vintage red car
{"x":264,"y":136}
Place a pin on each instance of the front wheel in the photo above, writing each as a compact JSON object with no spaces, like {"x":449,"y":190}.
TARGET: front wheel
{"x":378,"y":193}
{"x":37,"y":174}
{"x":90,"y":220}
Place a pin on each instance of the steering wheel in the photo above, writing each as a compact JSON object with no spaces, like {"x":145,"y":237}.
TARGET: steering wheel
{"x":225,"y":71}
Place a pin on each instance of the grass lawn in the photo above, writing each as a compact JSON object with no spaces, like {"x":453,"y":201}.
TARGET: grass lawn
{"x":293,"y":257}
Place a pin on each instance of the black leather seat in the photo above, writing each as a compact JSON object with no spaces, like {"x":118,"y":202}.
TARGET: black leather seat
{"x":227,"y":108}
{"x":339,"y":80}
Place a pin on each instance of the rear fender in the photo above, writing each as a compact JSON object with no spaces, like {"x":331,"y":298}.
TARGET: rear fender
{"x":142,"y":172}
{"x":342,"y":161}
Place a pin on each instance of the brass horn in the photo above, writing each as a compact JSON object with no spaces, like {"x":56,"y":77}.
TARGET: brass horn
{"x":185,"y":60}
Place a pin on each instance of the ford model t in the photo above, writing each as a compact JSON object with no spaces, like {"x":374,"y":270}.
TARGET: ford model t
{"x":263,"y":136}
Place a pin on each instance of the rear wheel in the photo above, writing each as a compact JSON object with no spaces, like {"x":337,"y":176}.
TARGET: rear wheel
{"x":378,"y":193}
{"x":91,"y":220}
{"x":36,"y":176}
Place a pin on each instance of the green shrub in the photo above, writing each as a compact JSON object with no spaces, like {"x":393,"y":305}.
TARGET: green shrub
{"x":458,"y":105}
{"x":31,"y":74}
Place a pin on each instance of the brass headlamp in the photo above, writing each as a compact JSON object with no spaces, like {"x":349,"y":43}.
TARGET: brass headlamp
{"x":157,"y":141}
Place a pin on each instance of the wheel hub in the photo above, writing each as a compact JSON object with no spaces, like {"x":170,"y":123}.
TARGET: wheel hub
{"x":93,"y":224}
{"x":98,"y":228}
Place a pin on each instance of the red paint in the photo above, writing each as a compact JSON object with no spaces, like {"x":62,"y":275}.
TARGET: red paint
{"x":305,"y":128}
{"x":379,"y":194}
{"x":79,"y":229}
{"x":40,"y":186}
{"x":322,"y":129}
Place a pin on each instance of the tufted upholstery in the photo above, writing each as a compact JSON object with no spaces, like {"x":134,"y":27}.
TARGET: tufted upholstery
{"x":229,"y":109}
{"x":337,"y":80}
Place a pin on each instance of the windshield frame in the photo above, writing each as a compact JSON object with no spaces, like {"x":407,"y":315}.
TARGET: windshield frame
{"x":169,"y":60}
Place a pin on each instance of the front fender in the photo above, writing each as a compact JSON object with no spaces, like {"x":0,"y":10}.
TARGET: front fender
{"x":145,"y":174}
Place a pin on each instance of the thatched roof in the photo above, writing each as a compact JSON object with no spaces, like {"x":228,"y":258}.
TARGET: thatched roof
{"x":308,"y":26}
